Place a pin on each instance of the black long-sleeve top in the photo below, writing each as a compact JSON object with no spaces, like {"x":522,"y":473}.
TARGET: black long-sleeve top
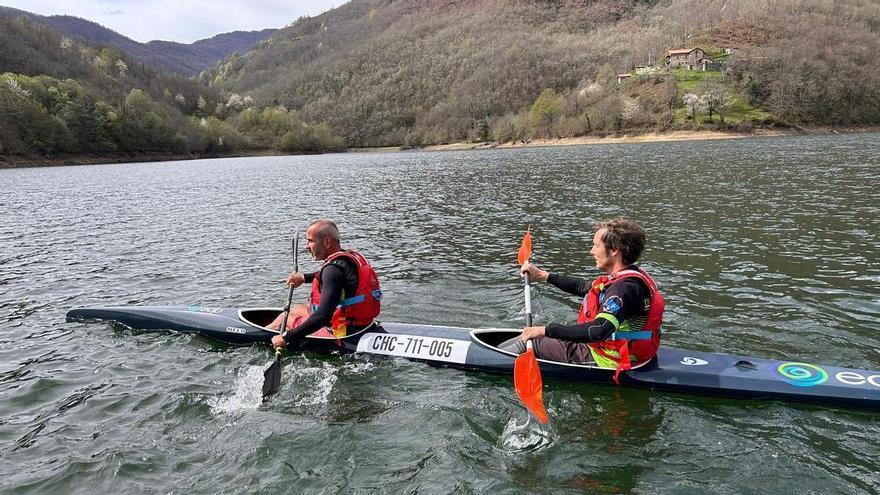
{"x":336,"y":276}
{"x":625,"y":298}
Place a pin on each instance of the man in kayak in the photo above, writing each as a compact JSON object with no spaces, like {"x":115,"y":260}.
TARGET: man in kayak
{"x":618,"y":325}
{"x":345,"y":290}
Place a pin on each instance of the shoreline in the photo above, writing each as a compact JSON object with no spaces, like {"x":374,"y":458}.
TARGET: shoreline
{"x":624,"y":138}
{"x":657,"y":137}
{"x":63,"y":160}
{"x":647,"y":137}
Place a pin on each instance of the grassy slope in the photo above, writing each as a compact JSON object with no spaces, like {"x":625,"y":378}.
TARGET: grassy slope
{"x":689,"y":81}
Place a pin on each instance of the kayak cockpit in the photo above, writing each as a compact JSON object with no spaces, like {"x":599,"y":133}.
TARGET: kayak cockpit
{"x":263,"y":317}
{"x":258,"y":317}
{"x":493,"y":337}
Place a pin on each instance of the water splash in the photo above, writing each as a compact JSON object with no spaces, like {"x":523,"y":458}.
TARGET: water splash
{"x":358,"y":367}
{"x":247,"y":393}
{"x":525,"y":437}
{"x":307,"y":383}
{"x":314,"y":384}
{"x":311,"y":382}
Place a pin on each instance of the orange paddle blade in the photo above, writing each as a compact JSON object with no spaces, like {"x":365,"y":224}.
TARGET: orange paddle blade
{"x":525,"y":249}
{"x":528,"y":384}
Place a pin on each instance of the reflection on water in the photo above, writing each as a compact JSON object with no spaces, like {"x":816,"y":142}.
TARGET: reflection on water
{"x":765,"y":247}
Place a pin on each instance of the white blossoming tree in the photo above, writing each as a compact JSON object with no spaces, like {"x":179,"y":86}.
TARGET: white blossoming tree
{"x":629,"y":108}
{"x":122,"y":67}
{"x":693,"y":102}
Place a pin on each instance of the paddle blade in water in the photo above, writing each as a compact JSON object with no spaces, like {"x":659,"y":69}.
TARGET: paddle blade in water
{"x":528,"y":384}
{"x":272,"y":377}
{"x":525,"y":249}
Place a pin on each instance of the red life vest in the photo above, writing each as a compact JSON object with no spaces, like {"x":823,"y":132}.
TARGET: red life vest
{"x":642,"y":343}
{"x":359,"y":309}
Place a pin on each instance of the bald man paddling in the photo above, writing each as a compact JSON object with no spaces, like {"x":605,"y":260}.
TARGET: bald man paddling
{"x":345,"y":290}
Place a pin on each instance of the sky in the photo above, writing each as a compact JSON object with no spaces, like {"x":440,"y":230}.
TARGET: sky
{"x":183,"y":21}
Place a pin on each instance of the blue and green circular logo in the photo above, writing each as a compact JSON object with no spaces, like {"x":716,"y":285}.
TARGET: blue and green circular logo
{"x":801,"y":374}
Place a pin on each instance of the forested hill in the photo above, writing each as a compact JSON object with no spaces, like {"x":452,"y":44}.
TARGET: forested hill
{"x":63,"y":96}
{"x":382,"y":72}
{"x":180,"y":58}
{"x":59,"y":95}
{"x":190,"y":59}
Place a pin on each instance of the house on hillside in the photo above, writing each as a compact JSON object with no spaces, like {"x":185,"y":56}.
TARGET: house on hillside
{"x":621,"y":77}
{"x":687,"y":57}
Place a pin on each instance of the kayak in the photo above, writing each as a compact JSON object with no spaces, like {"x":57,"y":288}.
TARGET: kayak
{"x":674,"y":370}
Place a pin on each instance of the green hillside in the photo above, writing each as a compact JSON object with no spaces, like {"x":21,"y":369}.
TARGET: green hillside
{"x":58,"y":95}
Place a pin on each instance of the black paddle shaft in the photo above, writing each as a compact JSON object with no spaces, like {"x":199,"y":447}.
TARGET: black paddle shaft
{"x":272,"y":375}
{"x":295,"y":250}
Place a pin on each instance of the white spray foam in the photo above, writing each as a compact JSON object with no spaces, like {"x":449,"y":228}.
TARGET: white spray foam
{"x":309,"y":384}
{"x":316,"y":384}
{"x":247,"y":394}
{"x":523,"y":437}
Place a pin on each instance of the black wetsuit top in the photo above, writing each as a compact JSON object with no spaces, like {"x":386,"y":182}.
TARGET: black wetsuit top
{"x":337,"y":275}
{"x":627,"y":299}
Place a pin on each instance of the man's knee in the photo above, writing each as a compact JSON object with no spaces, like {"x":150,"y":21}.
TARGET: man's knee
{"x":514,"y":345}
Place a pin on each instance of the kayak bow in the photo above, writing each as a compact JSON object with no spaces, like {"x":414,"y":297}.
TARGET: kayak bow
{"x":674,"y":370}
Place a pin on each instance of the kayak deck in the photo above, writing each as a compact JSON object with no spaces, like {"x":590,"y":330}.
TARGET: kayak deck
{"x":675,"y":370}
{"x":749,"y":377}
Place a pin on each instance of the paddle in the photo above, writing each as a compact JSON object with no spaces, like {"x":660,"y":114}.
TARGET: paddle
{"x":272,"y":375}
{"x":526,"y":374}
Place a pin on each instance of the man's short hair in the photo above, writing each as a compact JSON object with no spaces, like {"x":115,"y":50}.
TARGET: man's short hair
{"x":624,"y":234}
{"x":325,"y":228}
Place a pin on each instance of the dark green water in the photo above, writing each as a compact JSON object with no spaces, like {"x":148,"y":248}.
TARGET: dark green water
{"x":764,"y":247}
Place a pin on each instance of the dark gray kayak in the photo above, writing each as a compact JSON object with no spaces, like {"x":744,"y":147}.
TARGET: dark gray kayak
{"x":673,"y":370}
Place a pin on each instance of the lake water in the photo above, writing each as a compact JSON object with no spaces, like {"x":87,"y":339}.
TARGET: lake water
{"x":764,"y":247}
